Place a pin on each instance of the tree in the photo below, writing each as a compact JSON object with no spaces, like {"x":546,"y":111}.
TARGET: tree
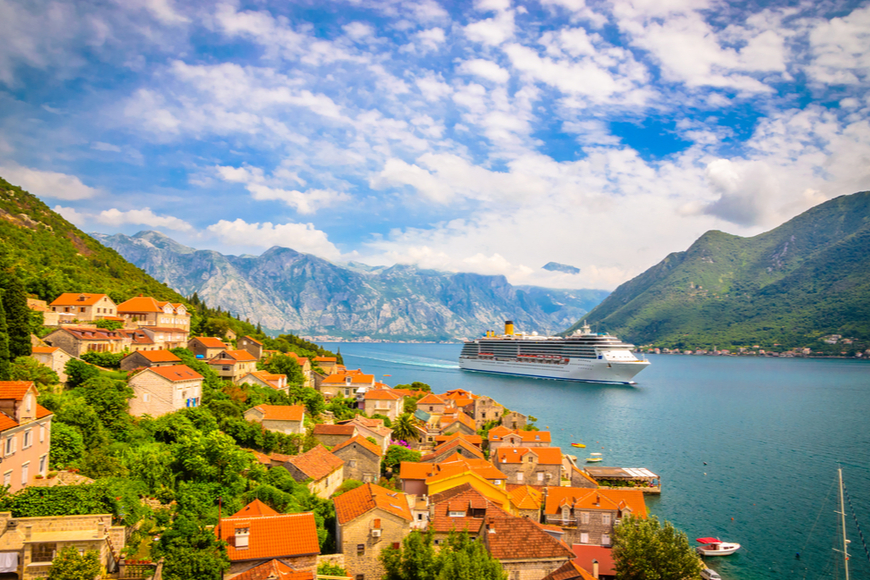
{"x":396,"y":454}
{"x":69,"y":565}
{"x":460,"y":558}
{"x":17,"y":316}
{"x":4,"y":345}
{"x":404,"y":428}
{"x":67,"y":446}
{"x":282,"y":364}
{"x":26,"y":368}
{"x":109,"y":398}
{"x":78,"y":372}
{"x":109,"y":324}
{"x":643,"y":549}
{"x":328,"y":569}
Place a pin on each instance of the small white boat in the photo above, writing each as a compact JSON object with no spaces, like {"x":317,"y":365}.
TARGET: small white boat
{"x":708,"y":574}
{"x":716,"y":547}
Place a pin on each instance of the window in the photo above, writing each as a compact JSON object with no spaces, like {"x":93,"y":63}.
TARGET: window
{"x":396,"y":545}
{"x":584,"y":517}
{"x":24,"y":469}
{"x":42,"y":433}
{"x":10,"y":445}
{"x":360,"y":577}
{"x":584,"y":538}
{"x":519,"y":476}
{"x":28,"y":439}
{"x":82,"y":309}
{"x":43,"y":552}
{"x":360,"y":549}
{"x":42,"y":465}
{"x":605,"y":539}
{"x":605,"y":519}
{"x":457,"y":514}
{"x":540,"y":476}
{"x":146,"y":397}
{"x":7,"y":478}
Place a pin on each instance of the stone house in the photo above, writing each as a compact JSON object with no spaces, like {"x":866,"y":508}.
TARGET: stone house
{"x":503,"y":437}
{"x":589,"y":515}
{"x":432,"y":404}
{"x":486,"y":409}
{"x":373,"y":428}
{"x":71,"y":306}
{"x":369,"y":519}
{"x":232,"y":365}
{"x":457,"y":445}
{"x":136,"y":339}
{"x":275,"y":570}
{"x":305,"y":365}
{"x":166,"y":337}
{"x":257,"y":534}
{"x":144,"y":311}
{"x":206,"y":347}
{"x":148,"y":358}
{"x":161,"y":390}
{"x":580,"y":478}
{"x":319,"y":468}
{"x":25,"y":434}
{"x":527,"y":501}
{"x":266,"y":379}
{"x":475,"y":440}
{"x":331,"y":435}
{"x":348,"y":384}
{"x":252,"y":345}
{"x":54,"y":358}
{"x":362,"y":459}
{"x":514,"y":420}
{"x":28,"y":545}
{"x":49,"y":318}
{"x":422,"y":478}
{"x":287,"y":419}
{"x":530,"y":465}
{"x":455,"y":421}
{"x":77,"y":340}
{"x":327,"y":363}
{"x":525,"y":550}
{"x":460,"y":509}
{"x":384,"y":402}
{"x":570,"y":571}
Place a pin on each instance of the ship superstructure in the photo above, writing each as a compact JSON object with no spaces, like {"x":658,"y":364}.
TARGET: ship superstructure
{"x":582,"y":356}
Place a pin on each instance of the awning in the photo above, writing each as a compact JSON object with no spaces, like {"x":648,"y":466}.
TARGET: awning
{"x":709,"y":540}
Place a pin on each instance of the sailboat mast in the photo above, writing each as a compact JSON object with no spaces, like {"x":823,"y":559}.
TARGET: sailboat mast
{"x":842,"y":513}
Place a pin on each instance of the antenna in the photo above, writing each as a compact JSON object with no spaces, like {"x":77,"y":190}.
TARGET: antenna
{"x":842,"y":514}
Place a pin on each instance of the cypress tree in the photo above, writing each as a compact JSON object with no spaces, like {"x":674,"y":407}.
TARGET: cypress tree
{"x":17,"y":317}
{"x":4,"y":345}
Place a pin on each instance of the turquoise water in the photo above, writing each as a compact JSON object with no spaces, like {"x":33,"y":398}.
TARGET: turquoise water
{"x":771,"y":432}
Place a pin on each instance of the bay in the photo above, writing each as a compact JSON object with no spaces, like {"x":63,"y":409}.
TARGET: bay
{"x":771,"y":431}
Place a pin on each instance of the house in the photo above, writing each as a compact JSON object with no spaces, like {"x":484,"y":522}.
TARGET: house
{"x":597,"y":559}
{"x":486,"y":410}
{"x":369,"y":519}
{"x":49,"y":318}
{"x":524,"y":549}
{"x":362,"y":459}
{"x":287,"y":419}
{"x":275,"y":570}
{"x":475,"y":440}
{"x":232,"y":365}
{"x":77,"y":340}
{"x":530,"y":465}
{"x":527,"y":500}
{"x":457,"y":445}
{"x":136,"y":339}
{"x":145,"y":311}
{"x":373,"y":428}
{"x":257,"y":534}
{"x":579,"y":477}
{"x":353,"y":383}
{"x":252,"y":345}
{"x":327,"y":363}
{"x":206,"y":347}
{"x":28,"y":545}
{"x":455,"y":421}
{"x":166,"y":336}
{"x":503,"y":437}
{"x":161,"y":390}
{"x":320,"y":468}
{"x":71,"y":306}
{"x":265,"y":379}
{"x":570,"y":571}
{"x":148,"y":358}
{"x":422,"y":478}
{"x":589,"y":515}
{"x":331,"y":435}
{"x":305,"y":365}
{"x":25,"y":434}
{"x":461,"y":400}
{"x":460,"y":509}
{"x":514,"y":420}
{"x":384,"y":402}
{"x":54,"y":358}
{"x":432,"y":404}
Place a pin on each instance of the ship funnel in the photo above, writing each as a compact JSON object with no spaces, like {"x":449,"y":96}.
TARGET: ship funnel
{"x":509,"y":327}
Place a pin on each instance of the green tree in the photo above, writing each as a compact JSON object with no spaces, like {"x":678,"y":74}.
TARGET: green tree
{"x":346,"y":486}
{"x":109,"y":398}
{"x":644,"y":549}
{"x":328,"y":569}
{"x":4,"y":345}
{"x":67,"y":446}
{"x":70,"y":565}
{"x":17,"y":316}
{"x":415,"y":560}
{"x":78,"y":372}
{"x":282,"y":364}
{"x":109,"y":324}
{"x":404,"y":428}
{"x":460,"y":558}
{"x":396,"y":454}
{"x":26,"y":368}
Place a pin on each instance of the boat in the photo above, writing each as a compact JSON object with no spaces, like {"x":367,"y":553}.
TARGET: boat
{"x":581,"y":445}
{"x":708,"y":574}
{"x":716,"y":547}
{"x":593,"y":459}
{"x":582,"y":356}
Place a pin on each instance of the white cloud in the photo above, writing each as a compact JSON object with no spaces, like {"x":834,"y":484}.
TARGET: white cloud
{"x":431,"y":39}
{"x":358,"y":30}
{"x":492,"y":31}
{"x":300,"y":237}
{"x":485,"y":69}
{"x":263,"y":188}
{"x":49,"y":184}
{"x":71,"y":215}
{"x":840,"y":49}
{"x":142,"y":216}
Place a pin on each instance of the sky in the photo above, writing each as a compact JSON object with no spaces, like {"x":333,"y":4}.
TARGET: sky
{"x":492,"y":136}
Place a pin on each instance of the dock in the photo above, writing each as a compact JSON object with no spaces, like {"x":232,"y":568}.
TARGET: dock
{"x":639,"y":478}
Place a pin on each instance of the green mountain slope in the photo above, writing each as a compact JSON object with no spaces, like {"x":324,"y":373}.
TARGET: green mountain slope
{"x":805,"y":279}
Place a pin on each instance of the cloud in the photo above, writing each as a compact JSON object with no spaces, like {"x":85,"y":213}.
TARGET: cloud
{"x":142,"y":216}
{"x":492,"y":31}
{"x":71,"y":215}
{"x":49,"y":184}
{"x":745,"y":191}
{"x":300,"y":237}
{"x":840,"y":49}
{"x":263,"y":188}
{"x":485,"y":69}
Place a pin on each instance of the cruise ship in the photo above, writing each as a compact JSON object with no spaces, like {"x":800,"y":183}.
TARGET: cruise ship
{"x":582,"y":356}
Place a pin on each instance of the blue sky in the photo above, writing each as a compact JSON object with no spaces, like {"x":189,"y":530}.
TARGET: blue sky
{"x":491,"y":136}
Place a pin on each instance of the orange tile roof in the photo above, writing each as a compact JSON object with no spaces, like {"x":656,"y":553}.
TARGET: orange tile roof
{"x":512,"y":538}
{"x":316,"y":463}
{"x":266,"y":376}
{"x":546,"y":455}
{"x":7,"y":422}
{"x":413,"y":470}
{"x":362,"y":442}
{"x":529,"y":436}
{"x":449,"y":418}
{"x":356,"y":502}
{"x":282,"y":412}
{"x":176,"y":373}
{"x":456,"y":465}
{"x":232,"y":357}
{"x":526,"y":498}
{"x":210,"y":342}
{"x":254,"y":340}
{"x":450,"y":445}
{"x":277,"y":536}
{"x":583,"y":474}
{"x":475,"y":440}
{"x":355,"y":378}
{"x":585,"y":553}
{"x":85,"y":333}
{"x":325,"y":359}
{"x":15,"y":389}
{"x":261,"y":457}
{"x":382,"y":395}
{"x":458,"y":394}
{"x":44,"y":349}
{"x":569,"y":571}
{"x":431,"y":399}
{"x":592,"y":499}
{"x":473,"y":505}
{"x":42,"y":411}
{"x":275,"y":570}
{"x":334,"y":429}
{"x":255,"y":509}
{"x":496,"y":433}
{"x":137,"y":336}
{"x":299,"y":359}
{"x":140,"y":304}
{"x":73,"y":299}
{"x":463,"y":402}
{"x":157,"y":355}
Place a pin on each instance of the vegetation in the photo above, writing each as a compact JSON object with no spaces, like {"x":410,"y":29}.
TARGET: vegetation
{"x":643,"y":549}
{"x":404,"y":428}
{"x":70,"y":565}
{"x":460,"y":558}
{"x":327,"y":569}
{"x":396,"y":454}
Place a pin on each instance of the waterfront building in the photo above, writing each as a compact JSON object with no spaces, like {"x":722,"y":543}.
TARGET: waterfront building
{"x":589,"y":515}
{"x":530,"y":465}
{"x":503,"y":437}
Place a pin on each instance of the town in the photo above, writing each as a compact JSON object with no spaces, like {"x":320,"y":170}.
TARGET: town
{"x":318,"y":471}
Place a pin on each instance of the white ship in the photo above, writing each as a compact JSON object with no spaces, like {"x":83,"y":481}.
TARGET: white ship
{"x":582,"y":356}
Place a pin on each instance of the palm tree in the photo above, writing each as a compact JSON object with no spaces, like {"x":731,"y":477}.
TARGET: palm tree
{"x":404,"y":428}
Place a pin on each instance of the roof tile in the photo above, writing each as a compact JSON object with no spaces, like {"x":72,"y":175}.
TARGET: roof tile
{"x":316,"y":463}
{"x":354,"y":503}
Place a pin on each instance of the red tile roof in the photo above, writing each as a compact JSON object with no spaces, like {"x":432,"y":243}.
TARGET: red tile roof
{"x":584,"y":554}
{"x":496,"y":433}
{"x":356,"y":502}
{"x":254,"y":340}
{"x":229,"y":357}
{"x":140,"y":304}
{"x":275,"y":570}
{"x":266,"y":377}
{"x":475,"y":440}
{"x":175,"y":373}
{"x":382,"y":395}
{"x":7,"y":422}
{"x":348,"y":429}
{"x":316,"y":463}
{"x":281,"y":412}
{"x":15,"y":389}
{"x":325,"y":359}
{"x":449,"y":419}
{"x":41,"y":411}
{"x":356,"y":378}
{"x":431,"y":399}
{"x":592,"y":499}
{"x":473,"y":505}
{"x":457,"y":464}
{"x":77,"y":299}
{"x":85,"y":333}
{"x":412,"y":470}
{"x":255,"y":509}
{"x":512,"y":538}
{"x":157,"y":355}
{"x":546,"y":455}
{"x":210,"y":342}
{"x":44,"y":349}
{"x":135,"y":336}
{"x":451,"y":445}
{"x":526,"y":498}
{"x":569,"y":571}
{"x":500,"y":432}
{"x":362,"y":442}
{"x":276,"y":536}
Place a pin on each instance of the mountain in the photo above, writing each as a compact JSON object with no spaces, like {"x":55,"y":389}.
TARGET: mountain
{"x":285,"y":290}
{"x":557,"y":267}
{"x":806,"y":279}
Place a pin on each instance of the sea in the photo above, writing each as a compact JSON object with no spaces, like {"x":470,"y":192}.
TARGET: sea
{"x":747,"y":448}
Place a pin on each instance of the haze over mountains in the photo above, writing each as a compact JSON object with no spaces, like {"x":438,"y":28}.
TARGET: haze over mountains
{"x":285,"y":290}
{"x":805,"y":279}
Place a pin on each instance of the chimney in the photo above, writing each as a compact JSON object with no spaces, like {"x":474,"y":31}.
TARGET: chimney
{"x":595,"y":568}
{"x":28,"y":532}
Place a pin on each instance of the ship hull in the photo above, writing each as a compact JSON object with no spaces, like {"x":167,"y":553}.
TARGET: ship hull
{"x":579,"y":370}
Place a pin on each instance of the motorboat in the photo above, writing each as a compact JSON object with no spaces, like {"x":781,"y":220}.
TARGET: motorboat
{"x":596,"y":457}
{"x":581,"y":445}
{"x":708,"y":574}
{"x":716,"y":547}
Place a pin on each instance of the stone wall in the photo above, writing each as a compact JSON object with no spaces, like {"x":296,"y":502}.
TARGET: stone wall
{"x":530,"y":471}
{"x":530,"y":569}
{"x":360,"y":463}
{"x":486,"y":409}
{"x":514,"y":420}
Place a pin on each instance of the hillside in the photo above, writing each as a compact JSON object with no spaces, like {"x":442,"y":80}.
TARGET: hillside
{"x":285,"y":290}
{"x":790,"y":286}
